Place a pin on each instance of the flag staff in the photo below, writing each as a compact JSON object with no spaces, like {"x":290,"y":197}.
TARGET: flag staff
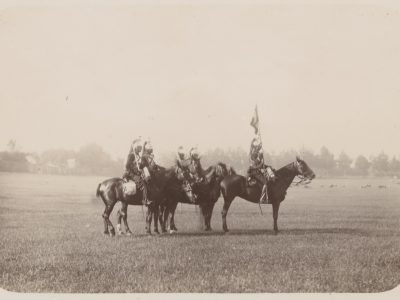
{"x":255,"y":122}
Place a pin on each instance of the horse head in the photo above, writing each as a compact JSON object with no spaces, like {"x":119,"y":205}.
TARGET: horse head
{"x":149,"y":166}
{"x":187,"y":188}
{"x":221,"y":171}
{"x":303,"y":170}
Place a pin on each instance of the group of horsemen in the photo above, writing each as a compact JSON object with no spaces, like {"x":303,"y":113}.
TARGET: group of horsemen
{"x":258,"y":171}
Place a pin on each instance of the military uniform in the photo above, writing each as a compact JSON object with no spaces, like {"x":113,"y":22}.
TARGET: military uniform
{"x":195,"y":161}
{"x":258,"y":170}
{"x":134,"y":168}
{"x":182,"y":167}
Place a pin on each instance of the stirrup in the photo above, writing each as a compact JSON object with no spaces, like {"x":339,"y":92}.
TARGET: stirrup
{"x":264,"y":200}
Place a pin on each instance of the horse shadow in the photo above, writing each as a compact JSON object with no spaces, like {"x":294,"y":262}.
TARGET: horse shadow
{"x":263,"y":232}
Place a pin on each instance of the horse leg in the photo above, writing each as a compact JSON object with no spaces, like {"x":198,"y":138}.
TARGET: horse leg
{"x":120,"y":215}
{"x":204,"y":212}
{"x":209,"y":215}
{"x":149,"y":216}
{"x":106,"y":216}
{"x":275,"y":210}
{"x":156,"y":212}
{"x":105,"y":221}
{"x":171,"y":213}
{"x":161,"y":219}
{"x":172,"y":220}
{"x":227,"y":204}
{"x":124,"y":211}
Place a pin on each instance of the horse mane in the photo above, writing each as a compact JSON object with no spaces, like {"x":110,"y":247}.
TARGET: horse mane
{"x":284,"y":169}
{"x":227,"y":168}
{"x":221,"y":164}
{"x":206,"y":171}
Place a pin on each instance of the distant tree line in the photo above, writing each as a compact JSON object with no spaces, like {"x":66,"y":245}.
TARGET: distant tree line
{"x":91,"y":159}
{"x":324,"y":163}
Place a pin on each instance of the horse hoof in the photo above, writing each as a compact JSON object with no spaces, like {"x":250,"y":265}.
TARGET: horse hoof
{"x":172,"y":231}
{"x":120,"y":233}
{"x":275,"y":232}
{"x":156,"y":232}
{"x":129,"y":233}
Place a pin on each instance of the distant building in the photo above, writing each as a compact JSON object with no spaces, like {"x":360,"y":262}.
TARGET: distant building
{"x":71,"y":163}
{"x":33,"y":163}
{"x":30,"y":159}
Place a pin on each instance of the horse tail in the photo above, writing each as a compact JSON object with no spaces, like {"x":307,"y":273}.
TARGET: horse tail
{"x":98,"y":190}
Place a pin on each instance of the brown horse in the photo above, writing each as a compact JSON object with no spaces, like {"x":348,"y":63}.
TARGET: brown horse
{"x":161,"y":182}
{"x":236,"y":186}
{"x":207,"y":192}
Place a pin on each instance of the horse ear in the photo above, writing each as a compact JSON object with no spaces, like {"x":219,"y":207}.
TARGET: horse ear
{"x":298,"y":158}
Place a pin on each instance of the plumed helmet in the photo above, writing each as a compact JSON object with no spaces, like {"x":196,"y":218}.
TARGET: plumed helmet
{"x":148,"y":147}
{"x":137,"y":145}
{"x":181,"y":152}
{"x":194,"y":153}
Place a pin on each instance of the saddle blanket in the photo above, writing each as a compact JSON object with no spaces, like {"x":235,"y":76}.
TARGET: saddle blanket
{"x":129,"y":188}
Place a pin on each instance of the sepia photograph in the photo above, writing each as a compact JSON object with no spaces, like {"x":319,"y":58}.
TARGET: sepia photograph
{"x":158,"y":147}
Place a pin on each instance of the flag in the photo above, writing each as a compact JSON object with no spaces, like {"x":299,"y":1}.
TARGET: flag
{"x":254,"y":121}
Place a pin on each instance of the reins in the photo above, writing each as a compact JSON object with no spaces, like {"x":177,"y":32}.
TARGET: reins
{"x":302,"y":181}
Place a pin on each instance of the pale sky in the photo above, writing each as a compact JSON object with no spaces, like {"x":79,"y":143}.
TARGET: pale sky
{"x":321,"y":74}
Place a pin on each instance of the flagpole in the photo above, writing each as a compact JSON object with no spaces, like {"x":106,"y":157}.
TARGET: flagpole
{"x":259,"y":132}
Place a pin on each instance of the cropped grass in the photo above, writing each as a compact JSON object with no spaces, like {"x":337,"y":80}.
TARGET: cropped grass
{"x":339,"y":239}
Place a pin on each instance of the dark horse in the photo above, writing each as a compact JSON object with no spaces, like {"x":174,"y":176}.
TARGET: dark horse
{"x":162,"y":181}
{"x":207,"y":193}
{"x":236,"y":186}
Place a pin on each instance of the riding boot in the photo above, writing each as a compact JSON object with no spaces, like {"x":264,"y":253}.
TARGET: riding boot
{"x":271,"y":173}
{"x":187,"y":187}
{"x":264,"y":195}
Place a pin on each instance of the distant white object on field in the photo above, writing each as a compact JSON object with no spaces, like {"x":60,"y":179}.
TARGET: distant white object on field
{"x":365,"y":186}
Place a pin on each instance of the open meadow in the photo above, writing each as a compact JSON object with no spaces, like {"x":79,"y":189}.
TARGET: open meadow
{"x":334,"y":237}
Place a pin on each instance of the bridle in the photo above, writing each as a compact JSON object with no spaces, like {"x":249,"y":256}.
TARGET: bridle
{"x":303,"y":180}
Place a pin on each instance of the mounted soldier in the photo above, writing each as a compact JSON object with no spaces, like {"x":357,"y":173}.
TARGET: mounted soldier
{"x":258,"y":171}
{"x":182,"y":164}
{"x":134,"y":170}
{"x":197,"y":170}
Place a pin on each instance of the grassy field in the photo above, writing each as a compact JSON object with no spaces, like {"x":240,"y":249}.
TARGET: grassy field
{"x":339,"y":239}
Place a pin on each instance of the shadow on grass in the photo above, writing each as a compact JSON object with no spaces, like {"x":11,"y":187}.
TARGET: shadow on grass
{"x":335,"y":230}
{"x":254,"y":232}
